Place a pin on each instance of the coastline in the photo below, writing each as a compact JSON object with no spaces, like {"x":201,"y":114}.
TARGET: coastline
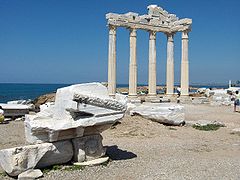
{"x":24,"y":91}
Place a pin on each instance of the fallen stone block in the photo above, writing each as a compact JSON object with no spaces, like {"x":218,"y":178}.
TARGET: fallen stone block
{"x":88,"y":147}
{"x":170,"y":114}
{"x":76,"y":108}
{"x":14,"y":110}
{"x":19,"y":159}
{"x":30,"y":174}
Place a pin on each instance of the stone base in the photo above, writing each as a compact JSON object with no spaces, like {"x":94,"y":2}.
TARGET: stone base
{"x":134,"y":99}
{"x":152,"y":99}
{"x":88,"y":148}
{"x":171,"y":97}
{"x":19,"y":159}
{"x":185,"y":100}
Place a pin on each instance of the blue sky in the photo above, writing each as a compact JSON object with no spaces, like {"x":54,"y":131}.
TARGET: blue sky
{"x":66,"y":41}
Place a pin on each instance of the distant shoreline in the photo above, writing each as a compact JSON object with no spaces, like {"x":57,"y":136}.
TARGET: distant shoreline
{"x":25,"y":91}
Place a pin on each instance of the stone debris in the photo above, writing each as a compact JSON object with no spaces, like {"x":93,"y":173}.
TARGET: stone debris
{"x":19,"y":159}
{"x":203,"y":123}
{"x":67,"y":130}
{"x":15,"y":110}
{"x":30,"y":174}
{"x":200,"y":100}
{"x":221,"y":97}
{"x":204,"y":91}
{"x":169,"y":114}
{"x":93,"y":162}
{"x":76,"y":107}
{"x":236,"y":131}
{"x":28,"y":102}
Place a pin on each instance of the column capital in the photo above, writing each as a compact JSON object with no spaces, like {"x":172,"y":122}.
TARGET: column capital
{"x":133,"y":32}
{"x":112,"y":29}
{"x":185,"y":34}
{"x":152,"y":35}
{"x":170,"y":37}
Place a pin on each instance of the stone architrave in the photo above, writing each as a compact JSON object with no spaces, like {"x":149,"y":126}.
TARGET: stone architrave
{"x":133,"y":64}
{"x":170,"y":65}
{"x":152,"y":77}
{"x":112,"y":61}
{"x":184,"y":65}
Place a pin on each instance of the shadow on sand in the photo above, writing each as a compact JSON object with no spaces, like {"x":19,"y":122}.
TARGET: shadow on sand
{"x":4,"y":122}
{"x":115,"y":153}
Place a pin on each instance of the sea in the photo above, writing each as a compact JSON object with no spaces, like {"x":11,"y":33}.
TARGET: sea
{"x":18,"y":91}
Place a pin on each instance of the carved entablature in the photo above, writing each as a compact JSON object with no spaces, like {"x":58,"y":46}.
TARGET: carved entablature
{"x":157,"y":19}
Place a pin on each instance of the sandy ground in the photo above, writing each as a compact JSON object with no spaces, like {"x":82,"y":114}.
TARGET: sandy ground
{"x":142,"y":149}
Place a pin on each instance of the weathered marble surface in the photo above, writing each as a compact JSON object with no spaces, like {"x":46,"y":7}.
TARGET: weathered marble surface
{"x":14,"y":110}
{"x":220,"y":97}
{"x":19,"y":159}
{"x":171,"y":114}
{"x":30,"y":174}
{"x":76,"y":108}
{"x":236,"y":131}
{"x":88,"y":147}
{"x":93,"y":162}
{"x":156,"y":20}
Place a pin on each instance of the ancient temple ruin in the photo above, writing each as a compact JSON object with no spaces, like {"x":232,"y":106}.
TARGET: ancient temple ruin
{"x":157,"y":20}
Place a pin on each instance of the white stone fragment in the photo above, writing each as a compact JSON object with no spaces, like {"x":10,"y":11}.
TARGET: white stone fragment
{"x":14,"y":110}
{"x":76,"y":107}
{"x":220,"y":97}
{"x":30,"y":174}
{"x":46,"y":106}
{"x":236,"y":131}
{"x":19,"y":159}
{"x":171,"y":114}
{"x":93,"y":162}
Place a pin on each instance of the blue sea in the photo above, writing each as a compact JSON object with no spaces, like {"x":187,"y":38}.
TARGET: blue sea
{"x":11,"y":91}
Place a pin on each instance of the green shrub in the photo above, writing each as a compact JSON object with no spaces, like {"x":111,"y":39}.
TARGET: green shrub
{"x":209,"y":127}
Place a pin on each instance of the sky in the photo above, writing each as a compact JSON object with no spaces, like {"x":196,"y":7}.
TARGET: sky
{"x":66,"y":41}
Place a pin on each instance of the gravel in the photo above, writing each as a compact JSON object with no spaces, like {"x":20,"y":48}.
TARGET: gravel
{"x":142,"y":149}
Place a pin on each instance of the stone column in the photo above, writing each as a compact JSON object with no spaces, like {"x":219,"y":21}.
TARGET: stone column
{"x":184,"y":65}
{"x":170,"y":65}
{"x":152,"y":77}
{"x":133,"y":65}
{"x":112,"y":61}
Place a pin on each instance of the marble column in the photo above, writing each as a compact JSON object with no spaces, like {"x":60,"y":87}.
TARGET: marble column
{"x":184,"y":65}
{"x":112,"y":61}
{"x":152,"y":76}
{"x":133,"y":65}
{"x":170,"y":65}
